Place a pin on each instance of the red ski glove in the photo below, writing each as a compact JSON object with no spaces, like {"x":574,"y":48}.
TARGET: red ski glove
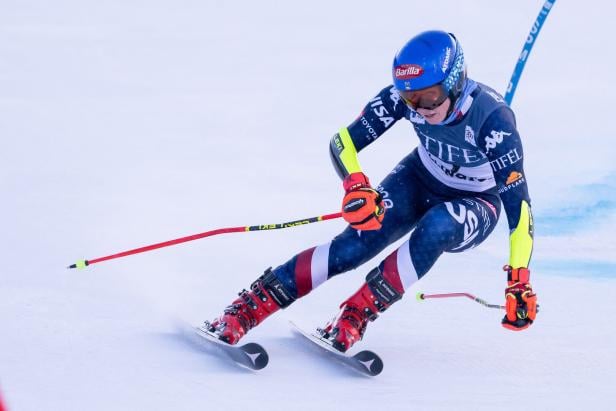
{"x":521,"y":301}
{"x":362,"y":206}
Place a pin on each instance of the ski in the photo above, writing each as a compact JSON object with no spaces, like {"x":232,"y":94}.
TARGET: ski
{"x":250,"y":355}
{"x":365,"y":362}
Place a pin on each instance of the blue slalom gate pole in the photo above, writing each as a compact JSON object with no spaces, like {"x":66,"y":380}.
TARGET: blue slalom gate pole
{"x":528,"y":46}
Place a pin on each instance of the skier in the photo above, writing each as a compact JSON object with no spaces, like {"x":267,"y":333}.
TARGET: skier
{"x":447,"y":193}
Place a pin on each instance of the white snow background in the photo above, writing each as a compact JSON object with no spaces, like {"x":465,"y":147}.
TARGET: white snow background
{"x":125,"y":123}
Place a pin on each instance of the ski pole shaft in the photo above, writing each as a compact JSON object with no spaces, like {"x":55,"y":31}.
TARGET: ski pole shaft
{"x":526,"y":49}
{"x":421,"y":296}
{"x":262,"y":227}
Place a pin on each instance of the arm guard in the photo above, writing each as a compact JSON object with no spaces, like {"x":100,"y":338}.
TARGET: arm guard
{"x":343,"y":154}
{"x":521,"y":239}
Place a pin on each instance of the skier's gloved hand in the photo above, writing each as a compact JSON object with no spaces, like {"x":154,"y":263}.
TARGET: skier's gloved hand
{"x":521,"y":301}
{"x":362,"y":206}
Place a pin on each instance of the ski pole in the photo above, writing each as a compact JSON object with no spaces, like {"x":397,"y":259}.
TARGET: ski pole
{"x":263,"y":227}
{"x":421,"y":296}
{"x":526,"y":49}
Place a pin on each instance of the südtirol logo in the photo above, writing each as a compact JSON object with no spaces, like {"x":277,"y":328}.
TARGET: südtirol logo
{"x":408,"y":71}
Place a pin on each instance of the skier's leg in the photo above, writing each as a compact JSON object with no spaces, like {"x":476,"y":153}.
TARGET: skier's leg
{"x":453,"y":226}
{"x":305,"y":271}
{"x":312,"y":267}
{"x":352,"y":248}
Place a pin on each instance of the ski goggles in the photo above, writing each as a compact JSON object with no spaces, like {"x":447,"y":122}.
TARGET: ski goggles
{"x":428,"y":98}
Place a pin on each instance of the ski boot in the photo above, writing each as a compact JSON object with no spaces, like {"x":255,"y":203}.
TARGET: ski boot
{"x":266,"y":296}
{"x":349,"y":326}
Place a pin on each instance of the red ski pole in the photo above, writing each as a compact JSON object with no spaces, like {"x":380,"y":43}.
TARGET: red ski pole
{"x":85,"y":263}
{"x":421,"y":296}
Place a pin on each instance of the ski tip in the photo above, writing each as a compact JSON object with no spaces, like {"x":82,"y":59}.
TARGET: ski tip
{"x":257,"y":355}
{"x":371,"y":361}
{"x":250,"y":355}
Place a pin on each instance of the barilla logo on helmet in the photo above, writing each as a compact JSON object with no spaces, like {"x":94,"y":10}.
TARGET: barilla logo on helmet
{"x":408,"y":71}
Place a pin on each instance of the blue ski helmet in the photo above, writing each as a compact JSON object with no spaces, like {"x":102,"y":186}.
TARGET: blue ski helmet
{"x":430,"y":58}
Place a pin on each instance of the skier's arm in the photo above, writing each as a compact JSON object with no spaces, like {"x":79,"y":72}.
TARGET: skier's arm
{"x":377,"y":117}
{"x":503,"y":147}
{"x":362,"y":206}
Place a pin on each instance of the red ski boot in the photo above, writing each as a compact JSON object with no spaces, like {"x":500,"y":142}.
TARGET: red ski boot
{"x":266,"y":296}
{"x":349,"y":326}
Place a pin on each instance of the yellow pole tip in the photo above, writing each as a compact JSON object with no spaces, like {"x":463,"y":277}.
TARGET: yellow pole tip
{"x":81,"y":264}
{"x":419,"y":296}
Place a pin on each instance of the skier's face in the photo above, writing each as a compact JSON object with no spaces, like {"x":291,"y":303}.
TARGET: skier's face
{"x":431,"y":102}
{"x":437,"y":114}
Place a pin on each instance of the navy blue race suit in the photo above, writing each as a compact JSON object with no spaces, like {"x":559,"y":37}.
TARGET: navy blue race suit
{"x":447,"y":192}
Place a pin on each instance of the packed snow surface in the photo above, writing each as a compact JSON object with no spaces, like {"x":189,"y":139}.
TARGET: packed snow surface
{"x":126,"y":123}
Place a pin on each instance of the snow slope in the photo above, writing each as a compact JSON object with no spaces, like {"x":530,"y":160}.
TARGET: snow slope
{"x":125,"y":123}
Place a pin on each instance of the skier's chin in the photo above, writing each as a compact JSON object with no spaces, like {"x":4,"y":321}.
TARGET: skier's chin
{"x":432,"y":117}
